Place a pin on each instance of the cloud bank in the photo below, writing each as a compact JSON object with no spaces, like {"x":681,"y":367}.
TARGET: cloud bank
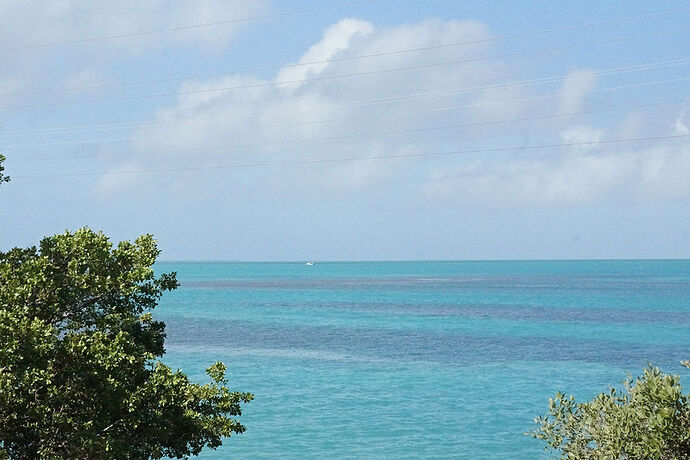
{"x":310,"y":112}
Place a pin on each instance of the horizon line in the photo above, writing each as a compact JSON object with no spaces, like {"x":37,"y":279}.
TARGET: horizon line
{"x":292,"y":261}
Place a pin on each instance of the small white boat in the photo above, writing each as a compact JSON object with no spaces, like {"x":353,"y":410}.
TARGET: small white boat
{"x":311,"y":262}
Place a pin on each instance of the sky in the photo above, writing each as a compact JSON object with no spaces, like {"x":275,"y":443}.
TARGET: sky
{"x":350,"y":130}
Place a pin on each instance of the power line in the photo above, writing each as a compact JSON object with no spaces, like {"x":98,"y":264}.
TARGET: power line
{"x":123,"y":139}
{"x":481,"y":104}
{"x":615,"y":70}
{"x":287,"y":13}
{"x":365,"y":135}
{"x":375,"y":101}
{"x":433,"y":94}
{"x":351,"y":58}
{"x":187,"y":27}
{"x":349,"y":159}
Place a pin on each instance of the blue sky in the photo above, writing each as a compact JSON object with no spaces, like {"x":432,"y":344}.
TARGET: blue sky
{"x":339,"y":130}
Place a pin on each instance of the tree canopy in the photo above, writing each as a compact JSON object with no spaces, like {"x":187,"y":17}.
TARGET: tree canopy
{"x":79,"y":349}
{"x":648,"y":420}
{"x":3,"y":178}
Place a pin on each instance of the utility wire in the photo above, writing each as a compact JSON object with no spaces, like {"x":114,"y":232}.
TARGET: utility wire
{"x":377,"y":101}
{"x":351,"y":58}
{"x":190,"y":27}
{"x":447,"y":108}
{"x":287,"y":13}
{"x":366,"y":135}
{"x":615,"y":70}
{"x":349,"y":159}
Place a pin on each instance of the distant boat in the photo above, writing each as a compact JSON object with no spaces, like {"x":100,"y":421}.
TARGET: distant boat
{"x":311,"y":262}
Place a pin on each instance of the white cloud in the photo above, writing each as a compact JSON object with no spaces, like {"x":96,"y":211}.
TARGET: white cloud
{"x":679,"y":125}
{"x":569,"y":178}
{"x":176,"y":13}
{"x":336,"y":39}
{"x":586,"y":136}
{"x":575,"y":88}
{"x":211,"y":113}
{"x":665,"y":172}
{"x":113,"y":180}
{"x":47,"y":21}
{"x":86,"y":78}
{"x":266,"y":121}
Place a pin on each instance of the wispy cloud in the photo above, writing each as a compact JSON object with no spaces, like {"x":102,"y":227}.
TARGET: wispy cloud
{"x":570,"y":178}
{"x":679,"y":125}
{"x":328,"y":106}
{"x":575,"y":88}
{"x":47,"y":21}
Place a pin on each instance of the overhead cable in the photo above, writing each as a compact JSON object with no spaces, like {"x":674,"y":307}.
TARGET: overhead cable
{"x":186,"y":27}
{"x":363,"y":102}
{"x":360,"y":158}
{"x":362,"y":135}
{"x":349,"y":58}
{"x":615,"y":70}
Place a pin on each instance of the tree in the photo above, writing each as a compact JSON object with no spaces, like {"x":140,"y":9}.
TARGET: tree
{"x":3,"y":178}
{"x":79,"y":376}
{"x":649,"y":419}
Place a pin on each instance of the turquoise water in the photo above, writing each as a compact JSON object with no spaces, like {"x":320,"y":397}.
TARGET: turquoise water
{"x":419,"y":359}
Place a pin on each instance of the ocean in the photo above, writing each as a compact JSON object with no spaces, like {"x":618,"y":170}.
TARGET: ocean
{"x":431,"y":360}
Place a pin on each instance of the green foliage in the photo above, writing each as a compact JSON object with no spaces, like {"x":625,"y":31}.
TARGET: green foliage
{"x":649,"y":419}
{"x":78,"y":346}
{"x":3,"y":178}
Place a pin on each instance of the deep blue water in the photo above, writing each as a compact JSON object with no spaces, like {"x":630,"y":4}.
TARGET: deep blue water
{"x":419,"y":359}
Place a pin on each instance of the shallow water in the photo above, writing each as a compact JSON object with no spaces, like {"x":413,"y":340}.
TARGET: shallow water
{"x":419,"y":359}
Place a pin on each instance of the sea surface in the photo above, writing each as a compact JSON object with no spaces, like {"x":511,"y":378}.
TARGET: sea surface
{"x":431,"y":360}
